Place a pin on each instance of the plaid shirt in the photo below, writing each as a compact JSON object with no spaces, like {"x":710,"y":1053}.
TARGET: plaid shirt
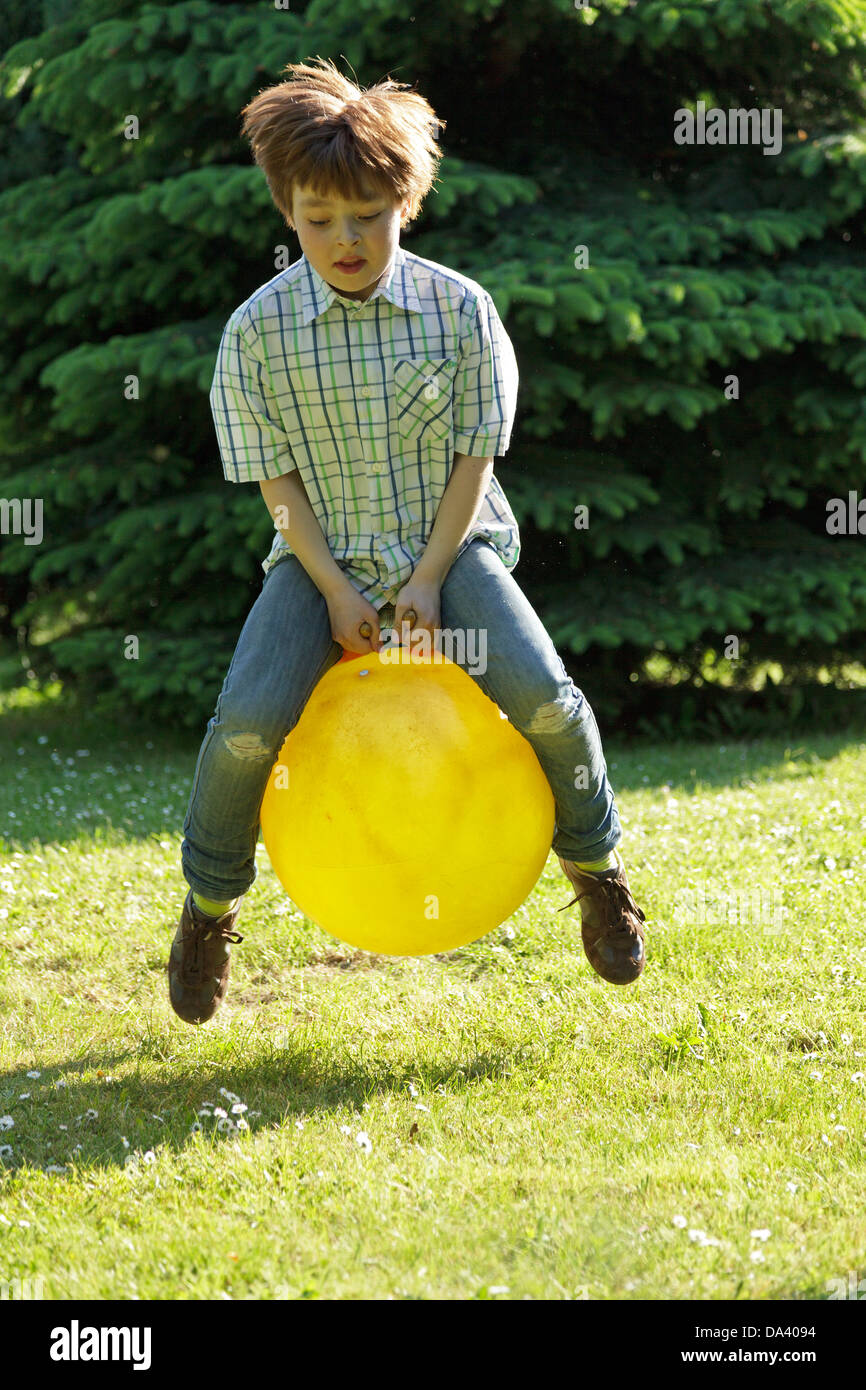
{"x":369,"y":400}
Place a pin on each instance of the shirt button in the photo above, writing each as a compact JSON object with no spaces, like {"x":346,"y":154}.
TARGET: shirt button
{"x":376,"y":467}
{"x":366,"y":390}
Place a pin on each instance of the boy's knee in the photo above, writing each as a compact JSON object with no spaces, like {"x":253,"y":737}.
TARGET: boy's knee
{"x":550,"y":718}
{"x":555,"y":715}
{"x":247,"y":745}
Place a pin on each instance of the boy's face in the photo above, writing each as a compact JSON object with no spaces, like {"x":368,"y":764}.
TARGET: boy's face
{"x":349,"y":242}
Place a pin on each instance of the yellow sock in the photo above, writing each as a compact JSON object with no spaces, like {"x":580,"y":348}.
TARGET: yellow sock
{"x":610,"y":861}
{"x":211,"y":908}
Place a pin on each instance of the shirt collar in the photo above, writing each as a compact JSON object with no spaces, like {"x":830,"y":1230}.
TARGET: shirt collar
{"x":398,"y":285}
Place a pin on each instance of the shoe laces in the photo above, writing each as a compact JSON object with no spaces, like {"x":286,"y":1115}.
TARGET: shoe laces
{"x":622,"y":901}
{"x":203,"y":929}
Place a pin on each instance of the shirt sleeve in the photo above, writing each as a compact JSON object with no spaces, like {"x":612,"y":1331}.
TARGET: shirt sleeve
{"x":252,"y":441}
{"x":485,"y":385}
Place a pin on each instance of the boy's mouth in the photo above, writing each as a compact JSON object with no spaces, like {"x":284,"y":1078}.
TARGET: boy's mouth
{"x":350,"y":265}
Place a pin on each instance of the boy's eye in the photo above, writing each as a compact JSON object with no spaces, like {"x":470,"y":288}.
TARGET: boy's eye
{"x":368,"y":218}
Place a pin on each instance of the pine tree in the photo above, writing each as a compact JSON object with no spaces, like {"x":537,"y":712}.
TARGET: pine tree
{"x":687,"y":319}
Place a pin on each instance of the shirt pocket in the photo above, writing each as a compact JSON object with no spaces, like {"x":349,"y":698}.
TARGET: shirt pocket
{"x":423,"y":396}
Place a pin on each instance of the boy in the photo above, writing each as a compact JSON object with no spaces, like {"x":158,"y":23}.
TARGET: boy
{"x":367,"y":391}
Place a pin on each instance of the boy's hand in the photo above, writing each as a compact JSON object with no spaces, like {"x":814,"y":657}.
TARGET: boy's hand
{"x":347,"y":610}
{"x":422,"y":595}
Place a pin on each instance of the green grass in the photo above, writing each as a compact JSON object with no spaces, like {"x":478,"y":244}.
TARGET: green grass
{"x":532,"y":1131}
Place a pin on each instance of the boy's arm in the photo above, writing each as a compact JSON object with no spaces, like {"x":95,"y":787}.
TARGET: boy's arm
{"x":485,"y":399}
{"x":287,"y":501}
{"x":458,"y":508}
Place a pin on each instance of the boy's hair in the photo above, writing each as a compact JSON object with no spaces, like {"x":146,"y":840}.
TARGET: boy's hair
{"x":321,"y":131}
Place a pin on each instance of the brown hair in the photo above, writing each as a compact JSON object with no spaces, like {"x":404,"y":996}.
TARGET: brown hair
{"x":320,"y":130}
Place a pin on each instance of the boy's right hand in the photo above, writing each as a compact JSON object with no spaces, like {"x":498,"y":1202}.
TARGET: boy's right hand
{"x":347,"y":610}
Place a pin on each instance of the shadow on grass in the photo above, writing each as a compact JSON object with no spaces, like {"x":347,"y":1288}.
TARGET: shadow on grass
{"x":279,"y":1086}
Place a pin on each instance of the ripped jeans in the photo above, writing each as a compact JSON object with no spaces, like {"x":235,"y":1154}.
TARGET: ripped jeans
{"x":284,"y":649}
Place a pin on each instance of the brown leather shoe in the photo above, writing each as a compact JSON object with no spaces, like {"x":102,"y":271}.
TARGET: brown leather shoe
{"x":611,"y":922}
{"x":198,"y":966}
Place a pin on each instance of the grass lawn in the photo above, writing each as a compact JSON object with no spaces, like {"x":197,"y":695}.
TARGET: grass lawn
{"x":494,"y":1123}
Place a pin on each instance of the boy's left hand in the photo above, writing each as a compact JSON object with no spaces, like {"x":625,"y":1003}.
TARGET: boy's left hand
{"x":423,"y":596}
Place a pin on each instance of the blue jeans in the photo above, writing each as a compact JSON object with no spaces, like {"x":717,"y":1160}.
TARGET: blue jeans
{"x":284,"y":649}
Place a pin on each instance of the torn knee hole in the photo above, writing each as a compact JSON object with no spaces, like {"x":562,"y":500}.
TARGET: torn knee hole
{"x":247,"y":745}
{"x":550,"y":718}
